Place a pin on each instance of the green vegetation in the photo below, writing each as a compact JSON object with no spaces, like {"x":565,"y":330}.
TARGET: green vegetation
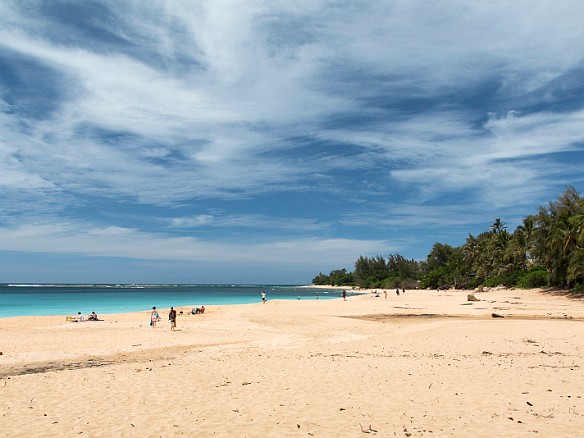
{"x":340,"y":277}
{"x":547,"y":249}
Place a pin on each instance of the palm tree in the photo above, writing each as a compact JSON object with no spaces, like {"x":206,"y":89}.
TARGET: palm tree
{"x":556,"y":235}
{"x":575,"y":242}
{"x":524,"y":234}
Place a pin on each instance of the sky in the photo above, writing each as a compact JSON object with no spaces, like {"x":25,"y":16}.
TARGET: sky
{"x":228,"y":141}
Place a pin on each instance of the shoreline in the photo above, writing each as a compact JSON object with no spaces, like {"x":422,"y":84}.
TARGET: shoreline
{"x":55,"y":301}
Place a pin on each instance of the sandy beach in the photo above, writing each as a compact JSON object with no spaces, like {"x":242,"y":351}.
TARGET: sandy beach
{"x":424,"y":363}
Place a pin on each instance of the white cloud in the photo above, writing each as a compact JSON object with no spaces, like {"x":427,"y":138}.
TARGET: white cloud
{"x":519,"y":135}
{"x":75,"y":239}
{"x":189,"y":222}
{"x":245,"y":83}
{"x":252,"y":221}
{"x":223,"y":100}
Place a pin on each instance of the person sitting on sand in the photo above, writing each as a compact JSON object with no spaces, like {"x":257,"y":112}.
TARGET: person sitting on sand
{"x":80,"y":317}
{"x":202,"y":309}
{"x":92,"y":317}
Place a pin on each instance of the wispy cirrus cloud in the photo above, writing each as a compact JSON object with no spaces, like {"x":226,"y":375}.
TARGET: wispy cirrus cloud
{"x":313,"y":120}
{"x":254,"y":221}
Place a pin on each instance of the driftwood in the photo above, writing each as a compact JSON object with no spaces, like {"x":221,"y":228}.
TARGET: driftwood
{"x":370,"y":430}
{"x":471,"y":297}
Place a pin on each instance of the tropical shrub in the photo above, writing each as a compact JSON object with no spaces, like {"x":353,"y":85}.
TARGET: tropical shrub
{"x":435,"y":279}
{"x":409,"y":283}
{"x":537,"y":277}
{"x":507,"y":279}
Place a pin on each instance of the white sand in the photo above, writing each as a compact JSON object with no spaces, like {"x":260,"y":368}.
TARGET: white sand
{"x":421,"y":364}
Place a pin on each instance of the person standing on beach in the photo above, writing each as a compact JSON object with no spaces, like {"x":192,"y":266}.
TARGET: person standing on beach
{"x":172,"y":318}
{"x":385,"y":293}
{"x":154,"y":317}
{"x":264,"y":297}
{"x":344,"y":295}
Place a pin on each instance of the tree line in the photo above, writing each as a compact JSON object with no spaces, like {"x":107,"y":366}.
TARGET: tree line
{"x":547,"y":249}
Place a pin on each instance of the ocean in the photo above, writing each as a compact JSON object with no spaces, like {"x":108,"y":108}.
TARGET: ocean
{"x":68,"y":299}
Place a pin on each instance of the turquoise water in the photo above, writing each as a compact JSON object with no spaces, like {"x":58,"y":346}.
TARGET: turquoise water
{"x":29,"y":300}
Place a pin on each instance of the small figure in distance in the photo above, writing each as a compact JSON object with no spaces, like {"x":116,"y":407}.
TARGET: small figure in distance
{"x":80,"y":317}
{"x":264,"y":297}
{"x":344,"y":295}
{"x":92,"y":317}
{"x":385,"y":293}
{"x":397,"y":291}
{"x":172,"y":318}
{"x":154,"y":317}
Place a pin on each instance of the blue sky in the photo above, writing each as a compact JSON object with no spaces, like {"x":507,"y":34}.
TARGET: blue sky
{"x":268,"y":141}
